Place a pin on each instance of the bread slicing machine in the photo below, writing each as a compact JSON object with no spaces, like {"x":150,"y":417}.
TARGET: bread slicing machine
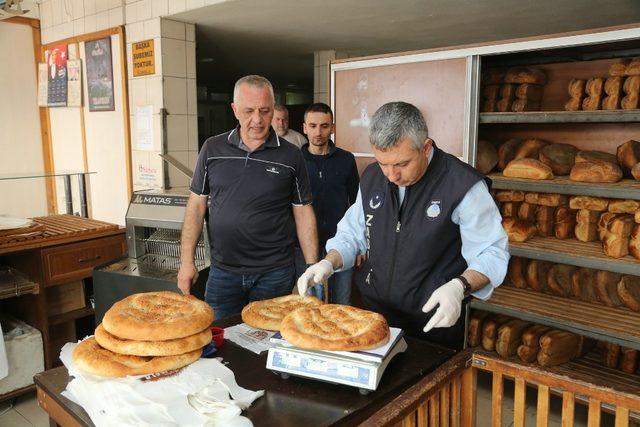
{"x":361,"y":369}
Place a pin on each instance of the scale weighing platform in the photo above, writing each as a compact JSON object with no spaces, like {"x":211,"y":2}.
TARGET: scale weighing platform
{"x":362,"y":369}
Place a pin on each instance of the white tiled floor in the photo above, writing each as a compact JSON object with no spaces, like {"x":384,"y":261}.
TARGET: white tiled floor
{"x":25,"y":413}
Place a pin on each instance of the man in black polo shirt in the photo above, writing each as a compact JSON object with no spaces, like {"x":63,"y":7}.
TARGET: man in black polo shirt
{"x":260,"y":199}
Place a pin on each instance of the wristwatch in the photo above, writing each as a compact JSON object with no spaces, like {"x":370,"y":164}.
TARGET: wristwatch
{"x":465,"y":284}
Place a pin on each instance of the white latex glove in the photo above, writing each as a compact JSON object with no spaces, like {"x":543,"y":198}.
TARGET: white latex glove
{"x":317,"y":273}
{"x":449,"y":298}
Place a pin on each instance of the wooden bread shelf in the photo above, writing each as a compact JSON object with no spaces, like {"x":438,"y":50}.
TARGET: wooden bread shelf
{"x":601,"y":116}
{"x":624,"y":189}
{"x":617,"y":325}
{"x":71,"y":315}
{"x":589,"y":369}
{"x":574,"y":252}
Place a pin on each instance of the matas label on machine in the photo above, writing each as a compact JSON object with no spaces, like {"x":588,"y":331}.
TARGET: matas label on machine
{"x":142,"y":199}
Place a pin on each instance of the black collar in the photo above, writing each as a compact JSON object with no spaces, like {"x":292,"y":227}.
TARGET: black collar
{"x":272,"y":141}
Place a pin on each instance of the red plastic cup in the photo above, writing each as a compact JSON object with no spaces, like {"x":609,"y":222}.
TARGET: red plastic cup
{"x":218,"y":336}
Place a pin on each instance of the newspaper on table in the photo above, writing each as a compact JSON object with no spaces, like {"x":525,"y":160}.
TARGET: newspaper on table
{"x":255,"y":340}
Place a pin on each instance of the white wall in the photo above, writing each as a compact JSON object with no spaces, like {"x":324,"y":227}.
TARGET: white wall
{"x":20,"y":141}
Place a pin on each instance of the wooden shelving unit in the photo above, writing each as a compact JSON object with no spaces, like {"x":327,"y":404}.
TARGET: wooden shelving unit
{"x":574,"y":252}
{"x":624,"y":189}
{"x":601,"y":116}
{"x":617,"y":325}
{"x":71,"y":315}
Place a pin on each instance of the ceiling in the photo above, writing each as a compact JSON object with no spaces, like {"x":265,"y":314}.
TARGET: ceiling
{"x":277,"y":38}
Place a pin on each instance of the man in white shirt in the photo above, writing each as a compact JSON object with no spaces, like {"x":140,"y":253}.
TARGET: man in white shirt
{"x":280,"y":123}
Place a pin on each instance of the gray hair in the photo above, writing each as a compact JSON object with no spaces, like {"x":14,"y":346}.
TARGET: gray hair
{"x":395,"y":121}
{"x":280,"y":107}
{"x":255,"y":81}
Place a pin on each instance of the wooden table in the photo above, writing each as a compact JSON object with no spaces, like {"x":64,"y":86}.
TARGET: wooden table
{"x":291,"y":402}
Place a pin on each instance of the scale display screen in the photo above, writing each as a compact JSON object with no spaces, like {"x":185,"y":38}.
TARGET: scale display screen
{"x":326,"y":368}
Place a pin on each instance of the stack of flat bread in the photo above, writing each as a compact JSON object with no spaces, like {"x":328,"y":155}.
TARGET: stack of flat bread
{"x":147,"y":333}
{"x":268,"y":314}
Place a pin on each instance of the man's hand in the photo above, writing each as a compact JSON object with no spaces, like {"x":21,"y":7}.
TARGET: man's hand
{"x":449,"y":298}
{"x":187,"y":275}
{"x":317,"y":273}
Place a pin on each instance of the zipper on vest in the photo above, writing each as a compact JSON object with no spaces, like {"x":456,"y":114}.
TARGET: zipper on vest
{"x":395,"y":243}
{"x":246,"y":159}
{"x":320,"y":174}
{"x":398,"y":227}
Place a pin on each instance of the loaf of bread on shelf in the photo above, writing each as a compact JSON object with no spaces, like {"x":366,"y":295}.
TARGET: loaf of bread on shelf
{"x":615,"y":241}
{"x":587,"y":225}
{"x":559,"y":279}
{"x":559,"y":157}
{"x":603,"y":172}
{"x":508,"y":91}
{"x":474,"y":336}
{"x":611,"y":102}
{"x":618,"y":69}
{"x":490,"y":331}
{"x":595,"y":157}
{"x":629,"y":292}
{"x":592,"y":103}
{"x":619,"y":224}
{"x":633,"y":67}
{"x":631,"y":85}
{"x":528,"y":169}
{"x":489,"y":106}
{"x":635,"y":171}
{"x":557,"y":347}
{"x":583,"y":284}
{"x":594,"y":87}
{"x":530,"y":148}
{"x":509,"y":337}
{"x":613,"y":85}
{"x":493,"y":76}
{"x":589,"y":203}
{"x":546,"y":199}
{"x":630,"y":102}
{"x":491,"y":91}
{"x":564,"y":222}
{"x":588,"y":216}
{"x":525,"y":75}
{"x":628,"y":360}
{"x":605,"y":219}
{"x":487,"y":157}
{"x":503,"y":105}
{"x":536,"y":275}
{"x":509,"y":209}
{"x":507,"y":152}
{"x":577,"y":88}
{"x":530,"y":343}
{"x":573,"y":104}
{"x":611,"y":355}
{"x":516,"y":272}
{"x":527,"y":212}
{"x":545,"y":213}
{"x":634,"y":241}
{"x":521,"y":105}
{"x":628,"y":155}
{"x":607,"y":288}
{"x":623,"y":206}
{"x":529,"y":92}
{"x":518,"y":230}
{"x":510,"y":196}
{"x":545,"y":229}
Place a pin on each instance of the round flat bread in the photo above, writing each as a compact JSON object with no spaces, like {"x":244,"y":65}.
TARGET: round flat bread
{"x":157,"y":316}
{"x":335,"y":327}
{"x":152,"y":348}
{"x":93,"y":359}
{"x":267,"y":314}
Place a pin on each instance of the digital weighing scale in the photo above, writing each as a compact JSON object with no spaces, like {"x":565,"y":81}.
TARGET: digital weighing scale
{"x":362,"y":369}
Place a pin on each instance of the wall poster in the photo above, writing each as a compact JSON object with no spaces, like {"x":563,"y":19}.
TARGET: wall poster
{"x":74,"y":91}
{"x":99,"y":74}
{"x":56,"y":59}
{"x":43,"y":85}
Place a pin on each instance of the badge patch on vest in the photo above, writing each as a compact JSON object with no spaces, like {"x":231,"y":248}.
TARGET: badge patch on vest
{"x":272,"y":169}
{"x":377,"y":199}
{"x":433,"y":209}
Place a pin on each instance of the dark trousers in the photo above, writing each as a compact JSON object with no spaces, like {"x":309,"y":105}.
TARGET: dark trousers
{"x":227,"y":292}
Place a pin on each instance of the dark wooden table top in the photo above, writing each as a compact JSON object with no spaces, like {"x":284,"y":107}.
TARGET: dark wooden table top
{"x":294,"y":401}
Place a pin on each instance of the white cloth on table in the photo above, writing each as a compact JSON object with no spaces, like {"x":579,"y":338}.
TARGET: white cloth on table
{"x":197,"y":396}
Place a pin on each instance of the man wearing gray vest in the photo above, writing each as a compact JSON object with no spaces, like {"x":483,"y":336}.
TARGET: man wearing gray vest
{"x":429,"y":227}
